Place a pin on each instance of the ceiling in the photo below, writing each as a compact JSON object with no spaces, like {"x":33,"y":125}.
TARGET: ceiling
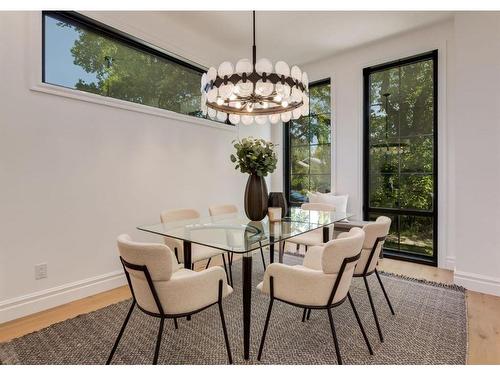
{"x":296,"y":37}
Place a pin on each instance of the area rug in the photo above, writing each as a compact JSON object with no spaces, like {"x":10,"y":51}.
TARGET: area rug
{"x":429,"y":328}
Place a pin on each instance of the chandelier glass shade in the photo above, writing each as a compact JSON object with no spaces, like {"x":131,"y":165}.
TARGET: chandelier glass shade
{"x":255,"y":90}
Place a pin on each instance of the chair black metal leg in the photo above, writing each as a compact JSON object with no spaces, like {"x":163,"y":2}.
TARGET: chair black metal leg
{"x":225,"y":269}
{"x":334,"y":334}
{"x":385,"y":293}
{"x":208,"y":263}
{"x":359,"y":323}
{"x":265,"y":328}
{"x":175,"y":323}
{"x":158,"y":342}
{"x":263,"y":259}
{"x":373,"y":309}
{"x":309,"y":314}
{"x":304,"y":315}
{"x":120,"y":334}
{"x":226,"y":339}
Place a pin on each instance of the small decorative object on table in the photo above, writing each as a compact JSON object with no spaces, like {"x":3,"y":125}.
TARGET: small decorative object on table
{"x":277,"y":199}
{"x":257,"y":158}
{"x":274,"y":213}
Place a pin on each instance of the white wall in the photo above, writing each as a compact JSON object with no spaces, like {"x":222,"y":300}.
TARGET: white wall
{"x":468,"y":131}
{"x":476,"y":158}
{"x":74,"y":174}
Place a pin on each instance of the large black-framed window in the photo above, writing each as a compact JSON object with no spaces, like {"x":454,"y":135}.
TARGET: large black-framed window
{"x":400,"y":154}
{"x":307,"y":147}
{"x":83,"y":54}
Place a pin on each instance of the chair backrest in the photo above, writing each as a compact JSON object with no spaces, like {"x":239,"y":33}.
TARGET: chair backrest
{"x":222,"y":209}
{"x":143,"y":260}
{"x":317,"y":207}
{"x":375,"y":233}
{"x":179,"y":214}
{"x":340,"y":257}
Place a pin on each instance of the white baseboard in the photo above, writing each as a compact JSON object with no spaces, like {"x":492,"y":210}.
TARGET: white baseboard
{"x":478,"y":283}
{"x":31,"y":303}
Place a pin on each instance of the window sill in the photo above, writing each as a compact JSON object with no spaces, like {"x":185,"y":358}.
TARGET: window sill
{"x":129,"y":106}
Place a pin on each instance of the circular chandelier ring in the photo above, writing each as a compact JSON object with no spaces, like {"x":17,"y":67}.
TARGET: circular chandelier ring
{"x":255,"y":77}
{"x":255,"y":111}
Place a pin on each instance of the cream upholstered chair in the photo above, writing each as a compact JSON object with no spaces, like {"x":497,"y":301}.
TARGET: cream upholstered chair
{"x":375,"y":235}
{"x":162,"y":289}
{"x":322,"y":282}
{"x":222,"y":209}
{"x":314,"y":237}
{"x":226,"y":209}
{"x":199,"y":252}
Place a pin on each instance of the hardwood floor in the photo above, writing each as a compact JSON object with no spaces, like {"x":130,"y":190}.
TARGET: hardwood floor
{"x":483,"y":311}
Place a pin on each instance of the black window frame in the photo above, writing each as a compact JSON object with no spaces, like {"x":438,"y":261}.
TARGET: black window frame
{"x":286,"y":147}
{"x":118,"y":35}
{"x":431,"y":55}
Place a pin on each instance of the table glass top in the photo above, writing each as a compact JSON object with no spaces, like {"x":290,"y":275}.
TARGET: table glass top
{"x":236,"y":233}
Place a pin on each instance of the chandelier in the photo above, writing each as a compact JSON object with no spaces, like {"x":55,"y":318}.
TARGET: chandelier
{"x":252,"y":91}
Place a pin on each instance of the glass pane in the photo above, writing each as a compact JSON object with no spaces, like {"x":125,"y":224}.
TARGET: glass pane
{"x":299,"y":131}
{"x":320,"y":159}
{"x":417,"y":99}
{"x":416,"y":235}
{"x":79,"y":58}
{"x":319,"y":99}
{"x":383,"y":125}
{"x":383,"y":159}
{"x":61,"y":67}
{"x":321,"y":183}
{"x":299,"y":185}
{"x":299,"y":159}
{"x":417,"y":154}
{"x":320,"y":129}
{"x":384,"y":85}
{"x":415,"y":191}
{"x":384,"y":191}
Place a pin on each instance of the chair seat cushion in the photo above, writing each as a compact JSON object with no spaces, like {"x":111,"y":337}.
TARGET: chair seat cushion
{"x":312,"y":238}
{"x":200,"y":252}
{"x":185,"y":292}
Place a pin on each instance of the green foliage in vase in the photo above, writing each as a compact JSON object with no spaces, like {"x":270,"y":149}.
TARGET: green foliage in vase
{"x":254,"y":156}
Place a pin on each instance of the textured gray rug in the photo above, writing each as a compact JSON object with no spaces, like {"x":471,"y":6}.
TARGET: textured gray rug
{"x":429,"y":328}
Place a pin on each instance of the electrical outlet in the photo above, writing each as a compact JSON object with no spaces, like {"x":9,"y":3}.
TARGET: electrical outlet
{"x":40,"y":271}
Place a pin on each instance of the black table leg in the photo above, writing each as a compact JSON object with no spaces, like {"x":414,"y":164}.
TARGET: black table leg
{"x":281,"y":251}
{"x":271,"y":249}
{"x":187,"y":254}
{"x":187,"y":260}
{"x":326,"y":234}
{"x":247,"y":301}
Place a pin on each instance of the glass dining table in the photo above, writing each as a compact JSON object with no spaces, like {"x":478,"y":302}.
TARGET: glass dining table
{"x":236,"y":234}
